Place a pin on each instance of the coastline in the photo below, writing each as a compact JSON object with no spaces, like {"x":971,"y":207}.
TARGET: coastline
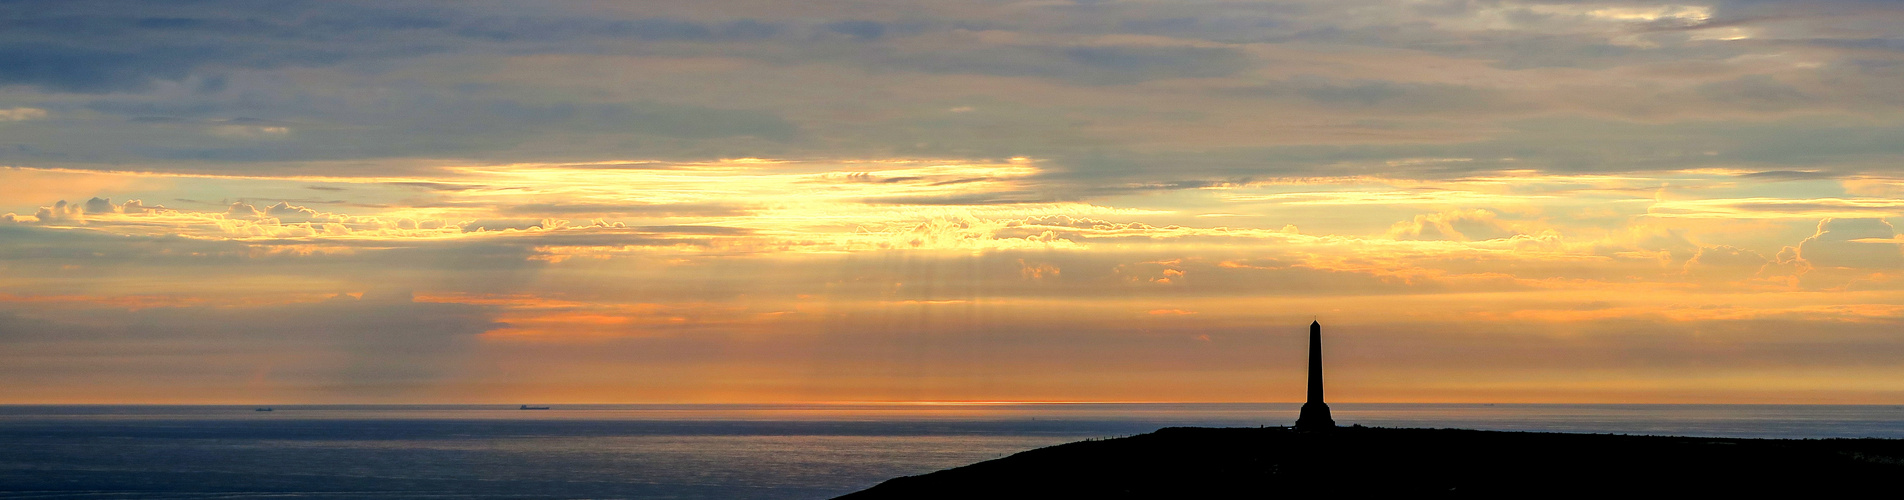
{"x":1192,"y":462}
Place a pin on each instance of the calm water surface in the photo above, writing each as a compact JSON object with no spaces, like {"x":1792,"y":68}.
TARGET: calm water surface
{"x":693,"y":451}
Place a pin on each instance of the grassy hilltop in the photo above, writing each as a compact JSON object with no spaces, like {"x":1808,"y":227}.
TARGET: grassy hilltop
{"x":1355,"y":462}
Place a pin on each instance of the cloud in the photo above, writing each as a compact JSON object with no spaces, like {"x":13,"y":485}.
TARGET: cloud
{"x":1759,"y":92}
{"x":1193,"y":93}
{"x":250,"y":131}
{"x":968,"y":233}
{"x":1671,"y":246}
{"x":1763,"y":207}
{"x":396,"y":126}
{"x":1388,"y":96}
{"x":62,"y":212}
{"x":1725,"y":263}
{"x":510,"y":224}
{"x":99,"y":206}
{"x":283,"y":228}
{"x":626,"y":209}
{"x":382,"y":344}
{"x":1015,"y":182}
{"x":286,"y":212}
{"x":21,"y":114}
{"x":1460,"y":225}
{"x":991,"y":198}
{"x":1788,"y":175}
{"x":1786,"y":267}
{"x":135,"y":49}
{"x":242,"y":210}
{"x":1836,"y":245}
{"x":1090,"y":64}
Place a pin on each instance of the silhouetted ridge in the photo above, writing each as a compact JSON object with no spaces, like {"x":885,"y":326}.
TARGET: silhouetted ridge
{"x":1357,"y":462}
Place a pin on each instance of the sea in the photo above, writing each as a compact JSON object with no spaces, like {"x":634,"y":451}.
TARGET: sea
{"x":697,"y":451}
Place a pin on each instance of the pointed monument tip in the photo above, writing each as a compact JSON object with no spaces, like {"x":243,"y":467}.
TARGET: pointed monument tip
{"x":1316,"y":323}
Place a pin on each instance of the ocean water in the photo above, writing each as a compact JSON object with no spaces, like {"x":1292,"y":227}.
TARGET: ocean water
{"x":694,"y":451}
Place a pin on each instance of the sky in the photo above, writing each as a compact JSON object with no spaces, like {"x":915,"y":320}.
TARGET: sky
{"x":952,"y":200}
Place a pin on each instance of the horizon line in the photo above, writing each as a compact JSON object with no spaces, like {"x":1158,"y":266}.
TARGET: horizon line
{"x":951,"y":403}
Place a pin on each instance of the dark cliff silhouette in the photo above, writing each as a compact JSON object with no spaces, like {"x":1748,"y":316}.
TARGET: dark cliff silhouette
{"x":1318,"y":458}
{"x":1315,"y":414}
{"x":1359,"y":462}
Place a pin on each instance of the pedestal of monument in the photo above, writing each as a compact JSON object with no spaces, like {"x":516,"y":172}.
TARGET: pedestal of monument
{"x":1315,"y":415}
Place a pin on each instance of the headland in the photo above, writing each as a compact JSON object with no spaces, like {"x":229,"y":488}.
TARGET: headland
{"x":1356,"y":462}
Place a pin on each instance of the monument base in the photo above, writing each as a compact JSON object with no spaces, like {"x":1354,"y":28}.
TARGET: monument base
{"x":1315,"y":416}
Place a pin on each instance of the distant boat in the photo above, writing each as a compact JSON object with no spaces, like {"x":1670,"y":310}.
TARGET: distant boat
{"x":262,"y":409}
{"x":527,"y":407}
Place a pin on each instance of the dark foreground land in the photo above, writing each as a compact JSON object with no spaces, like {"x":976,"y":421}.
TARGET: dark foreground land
{"x":1356,"y":462}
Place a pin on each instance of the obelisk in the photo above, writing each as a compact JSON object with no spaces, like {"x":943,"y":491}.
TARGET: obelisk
{"x":1315,"y":414}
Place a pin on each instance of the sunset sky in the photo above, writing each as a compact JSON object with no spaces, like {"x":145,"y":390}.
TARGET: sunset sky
{"x":951,"y":200}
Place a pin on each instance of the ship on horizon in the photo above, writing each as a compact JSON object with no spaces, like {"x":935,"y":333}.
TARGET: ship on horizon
{"x":527,"y":407}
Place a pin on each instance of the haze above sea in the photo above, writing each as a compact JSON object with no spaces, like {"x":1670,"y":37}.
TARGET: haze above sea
{"x":697,"y":451}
